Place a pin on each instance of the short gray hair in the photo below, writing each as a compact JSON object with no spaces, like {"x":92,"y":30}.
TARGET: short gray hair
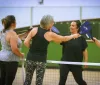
{"x":46,"y":20}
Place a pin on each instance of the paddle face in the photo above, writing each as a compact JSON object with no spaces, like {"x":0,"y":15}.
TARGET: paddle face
{"x":85,"y":29}
{"x":54,"y":29}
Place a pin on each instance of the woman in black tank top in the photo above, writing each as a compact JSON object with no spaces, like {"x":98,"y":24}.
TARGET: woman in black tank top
{"x":37,"y":55}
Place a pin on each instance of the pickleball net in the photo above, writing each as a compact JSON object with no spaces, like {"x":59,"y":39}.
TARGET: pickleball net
{"x":91,"y":75}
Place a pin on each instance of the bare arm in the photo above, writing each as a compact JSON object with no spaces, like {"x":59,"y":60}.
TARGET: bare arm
{"x":85,"y":54}
{"x":91,"y":41}
{"x":29,"y":37}
{"x":58,"y":38}
{"x":13,"y":41}
{"x":67,"y":38}
{"x":97,"y":42}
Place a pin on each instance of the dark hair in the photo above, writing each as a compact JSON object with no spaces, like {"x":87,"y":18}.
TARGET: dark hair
{"x":3,"y":20}
{"x":7,"y":21}
{"x":78,"y":23}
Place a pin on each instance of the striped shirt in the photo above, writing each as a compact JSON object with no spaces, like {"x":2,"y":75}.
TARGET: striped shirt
{"x":6,"y":53}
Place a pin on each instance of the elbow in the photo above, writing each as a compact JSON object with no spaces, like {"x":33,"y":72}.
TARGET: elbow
{"x":14,"y":50}
{"x":26,"y":44}
{"x":86,"y":51}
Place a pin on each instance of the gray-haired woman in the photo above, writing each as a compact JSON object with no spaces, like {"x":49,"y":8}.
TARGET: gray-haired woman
{"x":37,"y":55}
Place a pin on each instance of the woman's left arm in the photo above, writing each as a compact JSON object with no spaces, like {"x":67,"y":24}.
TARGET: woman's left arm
{"x":84,"y":50}
{"x":85,"y":55}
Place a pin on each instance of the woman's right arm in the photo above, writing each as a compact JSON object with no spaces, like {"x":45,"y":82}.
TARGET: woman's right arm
{"x":13,"y":41}
{"x":29,"y":37}
{"x":97,"y":42}
{"x":58,"y":38}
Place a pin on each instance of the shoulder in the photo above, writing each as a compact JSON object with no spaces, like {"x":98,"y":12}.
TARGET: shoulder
{"x":34,"y":29}
{"x":12,"y":33}
{"x":33,"y":32}
{"x":49,"y":33}
{"x":52,"y":34}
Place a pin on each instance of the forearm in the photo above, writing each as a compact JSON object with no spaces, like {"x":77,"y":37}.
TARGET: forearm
{"x":17,"y":52}
{"x":67,"y":38}
{"x":63,"y":39}
{"x":85,"y":54}
{"x":97,"y":42}
{"x":60,"y":38}
{"x":90,"y":41}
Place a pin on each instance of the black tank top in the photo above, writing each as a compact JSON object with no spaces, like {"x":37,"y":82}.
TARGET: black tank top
{"x":38,"y":47}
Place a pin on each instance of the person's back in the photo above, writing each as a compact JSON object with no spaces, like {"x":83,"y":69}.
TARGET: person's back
{"x":6,"y":53}
{"x":38,"y":47}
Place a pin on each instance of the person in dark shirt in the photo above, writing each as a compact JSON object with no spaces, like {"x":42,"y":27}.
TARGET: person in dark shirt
{"x":74,"y":51}
{"x":37,"y":55}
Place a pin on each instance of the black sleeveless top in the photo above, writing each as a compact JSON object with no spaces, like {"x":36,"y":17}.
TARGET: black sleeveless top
{"x":38,"y":47}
